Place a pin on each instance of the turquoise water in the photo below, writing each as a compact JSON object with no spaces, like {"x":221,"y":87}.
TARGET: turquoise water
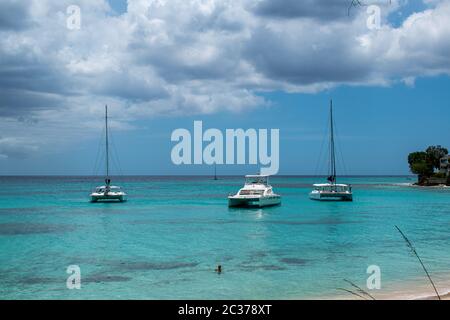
{"x":167,"y":240}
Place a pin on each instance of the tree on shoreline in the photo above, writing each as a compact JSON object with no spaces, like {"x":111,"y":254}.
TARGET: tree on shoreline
{"x":435,"y":154}
{"x":419,"y":164}
{"x":424,"y":163}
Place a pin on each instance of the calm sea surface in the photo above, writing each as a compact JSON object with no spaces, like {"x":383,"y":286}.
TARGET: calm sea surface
{"x":166,"y":241}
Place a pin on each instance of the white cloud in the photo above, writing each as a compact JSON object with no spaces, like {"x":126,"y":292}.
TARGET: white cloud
{"x":12,"y":147}
{"x":176,"y":57}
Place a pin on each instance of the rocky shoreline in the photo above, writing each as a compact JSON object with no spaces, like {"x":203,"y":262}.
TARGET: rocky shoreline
{"x":433,"y":182}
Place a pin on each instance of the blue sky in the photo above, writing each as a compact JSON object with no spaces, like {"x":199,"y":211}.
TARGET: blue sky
{"x":377,"y":128}
{"x":119,"y":6}
{"x":231,"y":67}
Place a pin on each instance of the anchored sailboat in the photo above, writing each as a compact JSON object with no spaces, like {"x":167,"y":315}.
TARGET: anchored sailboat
{"x":332,"y":191}
{"x":108,"y":193}
{"x":215,"y":172}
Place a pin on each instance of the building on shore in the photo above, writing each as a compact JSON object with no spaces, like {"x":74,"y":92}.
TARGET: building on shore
{"x":445,"y":165}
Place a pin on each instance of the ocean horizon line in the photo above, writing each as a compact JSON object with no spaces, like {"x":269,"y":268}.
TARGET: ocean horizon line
{"x":206,"y":175}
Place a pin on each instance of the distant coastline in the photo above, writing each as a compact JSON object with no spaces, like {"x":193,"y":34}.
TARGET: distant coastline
{"x":431,"y":166}
{"x":206,"y":176}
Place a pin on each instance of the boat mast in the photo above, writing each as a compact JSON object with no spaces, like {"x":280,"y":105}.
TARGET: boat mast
{"x":215,"y":171}
{"x":332,"y":147}
{"x":107,"y":146}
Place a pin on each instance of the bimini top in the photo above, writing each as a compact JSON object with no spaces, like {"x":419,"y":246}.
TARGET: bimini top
{"x":257,"y":176}
{"x":111,"y":188}
{"x":256,"y":179}
{"x":331,"y":185}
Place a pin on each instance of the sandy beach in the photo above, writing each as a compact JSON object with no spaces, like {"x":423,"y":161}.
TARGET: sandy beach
{"x":414,"y":290}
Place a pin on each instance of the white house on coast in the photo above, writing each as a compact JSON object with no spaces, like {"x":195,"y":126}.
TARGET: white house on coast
{"x":445,"y":165}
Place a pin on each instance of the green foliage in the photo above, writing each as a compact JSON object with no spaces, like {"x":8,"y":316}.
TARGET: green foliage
{"x":435,"y":154}
{"x":422,"y":168}
{"x":416,"y":157}
{"x":424,"y":163}
{"x":440,"y":175}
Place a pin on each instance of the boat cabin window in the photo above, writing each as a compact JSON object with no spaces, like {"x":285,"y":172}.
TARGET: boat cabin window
{"x":256,"y":180}
{"x":111,"y":189}
{"x":333,"y":188}
{"x":251,"y":192}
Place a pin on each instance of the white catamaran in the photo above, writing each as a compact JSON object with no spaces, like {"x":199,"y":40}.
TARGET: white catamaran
{"x":332,"y":191}
{"x":257,"y":192}
{"x":108,"y":193}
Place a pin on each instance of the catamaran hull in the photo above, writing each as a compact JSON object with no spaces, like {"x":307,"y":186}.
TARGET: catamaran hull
{"x":331,"y":196}
{"x":254,"y":202}
{"x":108,"y":198}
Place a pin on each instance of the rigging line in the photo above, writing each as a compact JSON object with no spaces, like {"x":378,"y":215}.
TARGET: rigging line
{"x":116,"y":160}
{"x":100,"y":154}
{"x":98,"y":165}
{"x":99,"y":158}
{"x":330,"y":155}
{"x":107,"y":142}
{"x":328,"y":163}
{"x":97,"y":174}
{"x":119,"y":174}
{"x":322,"y":158}
{"x":99,"y":146}
{"x":113,"y":156}
{"x":320,"y":163}
{"x":116,"y":156}
{"x":340,"y":152}
{"x":332,"y":145}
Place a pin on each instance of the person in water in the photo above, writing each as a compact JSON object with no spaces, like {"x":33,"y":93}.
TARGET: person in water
{"x":219,"y":269}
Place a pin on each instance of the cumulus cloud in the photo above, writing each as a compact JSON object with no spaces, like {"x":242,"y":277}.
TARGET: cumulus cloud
{"x":177,"y":57}
{"x":15,"y":148}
